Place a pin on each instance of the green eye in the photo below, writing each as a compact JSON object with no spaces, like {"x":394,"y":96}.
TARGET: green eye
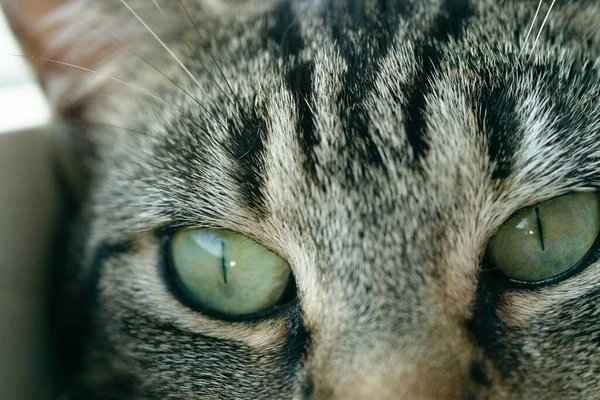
{"x":547,"y":240}
{"x":228,"y":273}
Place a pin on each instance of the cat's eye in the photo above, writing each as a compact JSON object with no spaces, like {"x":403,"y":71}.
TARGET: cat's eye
{"x":548,"y":241}
{"x":227,"y":273}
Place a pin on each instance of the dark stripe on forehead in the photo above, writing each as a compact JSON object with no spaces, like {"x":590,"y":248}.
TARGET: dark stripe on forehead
{"x":499,"y":121}
{"x":246,"y":145}
{"x":284,"y":30}
{"x":362,"y":11}
{"x":364,"y":32}
{"x":299,"y":81}
{"x":448,"y":25}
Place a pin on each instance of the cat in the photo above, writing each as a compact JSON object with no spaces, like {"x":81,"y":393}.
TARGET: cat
{"x":375,"y":148}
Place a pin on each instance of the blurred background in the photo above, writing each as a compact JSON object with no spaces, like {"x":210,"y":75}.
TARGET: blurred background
{"x":22,"y":104}
{"x":28,"y":218}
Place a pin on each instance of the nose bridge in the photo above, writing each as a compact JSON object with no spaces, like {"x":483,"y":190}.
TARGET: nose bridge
{"x":392,"y":375}
{"x":393,"y":322}
{"x":425,"y":382}
{"x":425,"y":360}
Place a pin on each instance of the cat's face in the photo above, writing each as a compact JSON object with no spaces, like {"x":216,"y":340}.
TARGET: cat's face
{"x":376,"y":147}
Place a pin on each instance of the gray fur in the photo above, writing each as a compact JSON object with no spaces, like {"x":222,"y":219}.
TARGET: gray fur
{"x":381,"y":193}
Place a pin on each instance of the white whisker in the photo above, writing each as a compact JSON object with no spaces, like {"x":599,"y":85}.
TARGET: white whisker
{"x":537,"y":12}
{"x":236,"y":99}
{"x":163,"y":44}
{"x":542,"y":27}
{"x":158,"y":6}
{"x":79,"y":67}
{"x":173,"y":55}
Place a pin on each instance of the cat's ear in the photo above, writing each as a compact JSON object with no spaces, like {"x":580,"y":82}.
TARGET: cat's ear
{"x":62,"y":52}
{"x":75,"y":45}
{"x":69,"y":43}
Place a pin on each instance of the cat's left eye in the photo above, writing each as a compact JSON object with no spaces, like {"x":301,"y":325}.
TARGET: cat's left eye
{"x":227,"y":273}
{"x":549,"y":241}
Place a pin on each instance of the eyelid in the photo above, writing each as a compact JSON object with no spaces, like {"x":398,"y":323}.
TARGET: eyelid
{"x":276,"y":312}
{"x":560,"y":206}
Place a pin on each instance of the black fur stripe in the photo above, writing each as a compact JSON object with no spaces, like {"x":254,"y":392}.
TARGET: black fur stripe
{"x":284,"y":30}
{"x":448,"y":25}
{"x":247,"y":146}
{"x":377,"y":20}
{"x":498,"y":118}
{"x":299,"y":81}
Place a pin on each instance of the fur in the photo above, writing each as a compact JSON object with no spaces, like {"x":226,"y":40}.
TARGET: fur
{"x":376,"y":146}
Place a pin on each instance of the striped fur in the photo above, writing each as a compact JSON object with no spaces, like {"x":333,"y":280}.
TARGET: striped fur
{"x":376,"y":145}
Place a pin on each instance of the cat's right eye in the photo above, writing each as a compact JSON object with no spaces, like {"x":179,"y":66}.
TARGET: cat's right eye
{"x":549,"y":241}
{"x":227,"y":273}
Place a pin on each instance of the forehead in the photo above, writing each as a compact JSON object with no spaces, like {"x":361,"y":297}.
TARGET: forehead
{"x":341,"y":121}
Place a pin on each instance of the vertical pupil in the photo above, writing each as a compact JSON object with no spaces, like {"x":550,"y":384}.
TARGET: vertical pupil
{"x":539,"y":225}
{"x":223,"y":262}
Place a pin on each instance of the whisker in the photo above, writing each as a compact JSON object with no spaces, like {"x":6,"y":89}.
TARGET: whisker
{"x":94,"y":123}
{"x":181,"y":64}
{"x":537,"y":12}
{"x":130,"y":85}
{"x":81,"y":121}
{"x":250,"y":149}
{"x":187,"y":93}
{"x":201,"y":61}
{"x":79,"y":67}
{"x":163,"y":44}
{"x":542,"y":27}
{"x":237,"y":100}
{"x":189,"y":46}
{"x":158,"y":6}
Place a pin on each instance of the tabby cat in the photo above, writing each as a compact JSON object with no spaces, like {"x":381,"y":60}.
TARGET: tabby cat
{"x":328,"y":199}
